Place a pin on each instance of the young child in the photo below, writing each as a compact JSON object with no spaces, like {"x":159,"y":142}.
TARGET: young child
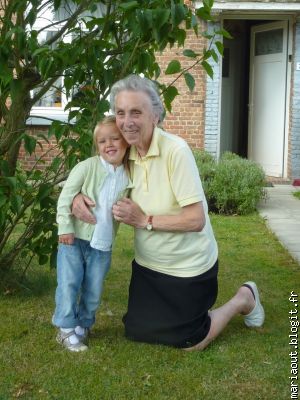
{"x":84,"y":252}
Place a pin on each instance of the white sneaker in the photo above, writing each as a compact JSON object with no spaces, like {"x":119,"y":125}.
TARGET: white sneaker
{"x":64,"y":339}
{"x":84,"y":336}
{"x":256,"y":317}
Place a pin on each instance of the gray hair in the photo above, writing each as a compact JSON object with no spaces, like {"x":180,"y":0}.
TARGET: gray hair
{"x":136,"y":83}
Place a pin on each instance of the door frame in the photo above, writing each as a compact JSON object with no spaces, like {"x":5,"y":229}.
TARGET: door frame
{"x":268,"y":17}
{"x":252,"y":134}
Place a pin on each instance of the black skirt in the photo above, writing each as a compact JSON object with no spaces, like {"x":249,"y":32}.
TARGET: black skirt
{"x":169,"y":310}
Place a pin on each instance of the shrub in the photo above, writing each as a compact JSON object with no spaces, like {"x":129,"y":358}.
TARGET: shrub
{"x":297,"y":195}
{"x":233,"y":185}
{"x":206,"y":166}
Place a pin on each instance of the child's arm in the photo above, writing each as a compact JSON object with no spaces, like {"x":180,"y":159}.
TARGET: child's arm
{"x":66,"y":239}
{"x":71,"y":187}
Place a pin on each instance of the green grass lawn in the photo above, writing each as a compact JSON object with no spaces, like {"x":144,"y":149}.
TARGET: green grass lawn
{"x":297,"y":194}
{"x":241,"y":364}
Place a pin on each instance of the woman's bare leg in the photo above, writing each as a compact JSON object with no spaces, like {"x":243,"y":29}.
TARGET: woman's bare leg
{"x":242,"y":303}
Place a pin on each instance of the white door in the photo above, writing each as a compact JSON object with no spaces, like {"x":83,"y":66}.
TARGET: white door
{"x":267,"y":100}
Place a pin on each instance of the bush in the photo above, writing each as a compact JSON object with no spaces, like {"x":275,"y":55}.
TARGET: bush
{"x":233,"y":185}
{"x":207,"y":167}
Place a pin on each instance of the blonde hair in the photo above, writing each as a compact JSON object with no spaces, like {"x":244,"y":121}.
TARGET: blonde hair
{"x":110,"y":120}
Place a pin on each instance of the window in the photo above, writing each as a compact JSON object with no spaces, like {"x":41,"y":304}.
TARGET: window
{"x":51,"y":105}
{"x":269,"y":42}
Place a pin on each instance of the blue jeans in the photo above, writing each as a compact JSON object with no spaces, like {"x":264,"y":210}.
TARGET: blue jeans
{"x":80,"y":275}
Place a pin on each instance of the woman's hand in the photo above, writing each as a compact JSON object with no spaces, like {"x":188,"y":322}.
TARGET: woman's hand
{"x":191,"y":218}
{"x":125,"y":210}
{"x":66,"y":239}
{"x":81,"y":209}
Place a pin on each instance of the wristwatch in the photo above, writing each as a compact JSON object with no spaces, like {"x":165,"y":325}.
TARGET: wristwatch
{"x":149,"y":225}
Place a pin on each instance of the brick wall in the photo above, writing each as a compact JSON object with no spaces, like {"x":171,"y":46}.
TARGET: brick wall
{"x":44,"y":151}
{"x":187,"y":116}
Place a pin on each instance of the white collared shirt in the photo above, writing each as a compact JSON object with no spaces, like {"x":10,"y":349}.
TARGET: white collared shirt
{"x":115,"y":182}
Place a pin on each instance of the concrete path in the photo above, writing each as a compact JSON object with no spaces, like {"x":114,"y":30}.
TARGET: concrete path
{"x":282,"y":213}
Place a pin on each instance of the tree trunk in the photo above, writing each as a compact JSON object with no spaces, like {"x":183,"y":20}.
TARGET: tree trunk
{"x":14,"y":128}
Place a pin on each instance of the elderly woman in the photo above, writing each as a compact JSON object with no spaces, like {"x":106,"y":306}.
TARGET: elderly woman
{"x":174,"y":274}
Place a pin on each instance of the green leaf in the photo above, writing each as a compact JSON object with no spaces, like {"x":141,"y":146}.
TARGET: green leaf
{"x":208,"y":3}
{"x":129,"y":5}
{"x":4,"y":168}
{"x":73,"y":114}
{"x":194,"y":22}
{"x":29,"y":143}
{"x":189,"y":53}
{"x":95,"y":22}
{"x":143,"y":61}
{"x":57,"y":129}
{"x":40,"y":50}
{"x":3,"y":200}
{"x":68,"y":83}
{"x":173,"y":67}
{"x":178,"y":12}
{"x":160,"y":17}
{"x":45,"y":65}
{"x":220,"y":47}
{"x":11,"y":182}
{"x":56,"y":163}
{"x":44,"y":191}
{"x":189,"y":80}
{"x":149,"y":19}
{"x":36,"y":175}
{"x":214,"y":55}
{"x":207,"y":35}
{"x":16,"y":203}
{"x":206,"y":54}
{"x":208,"y":69}
{"x":31,"y":16}
{"x":181,"y":36}
{"x":6,"y":74}
{"x":43,"y":136}
{"x":169,"y":95}
{"x":224,"y":33}
{"x":203,"y":13}
{"x":103,"y":106}
{"x":43,"y":259}
{"x":53,"y":258}
{"x":56,"y":4}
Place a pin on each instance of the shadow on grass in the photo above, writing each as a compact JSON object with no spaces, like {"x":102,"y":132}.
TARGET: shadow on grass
{"x":37,"y":282}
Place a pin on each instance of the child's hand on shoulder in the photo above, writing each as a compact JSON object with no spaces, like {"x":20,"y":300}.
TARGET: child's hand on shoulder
{"x":66,"y":239}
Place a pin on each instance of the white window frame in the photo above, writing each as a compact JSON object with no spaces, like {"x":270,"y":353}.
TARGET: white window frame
{"x":43,"y":115}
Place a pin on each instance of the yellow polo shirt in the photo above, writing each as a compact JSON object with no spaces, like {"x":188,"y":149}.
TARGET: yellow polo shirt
{"x":165,"y":180}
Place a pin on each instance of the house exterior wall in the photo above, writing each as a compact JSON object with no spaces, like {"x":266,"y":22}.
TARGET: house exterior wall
{"x":212,"y":107}
{"x":195,"y":116}
{"x":212,"y":120}
{"x":45,"y":151}
{"x":187,"y":118}
{"x":188,"y":112}
{"x":295,"y":110}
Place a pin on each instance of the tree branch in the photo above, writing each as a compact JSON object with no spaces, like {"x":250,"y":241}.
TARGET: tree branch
{"x":188,"y":68}
{"x":43,"y":90}
{"x":124,"y":69}
{"x":70,"y":22}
